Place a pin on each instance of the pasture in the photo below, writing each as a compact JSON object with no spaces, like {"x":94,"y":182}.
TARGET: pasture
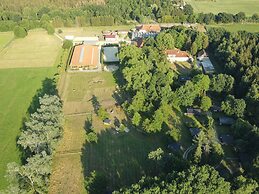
{"x":38,"y":49}
{"x":91,"y":30}
{"x":5,"y":38}
{"x":122,"y":157}
{"x":18,"y":86}
{"x":237,"y":27}
{"x":230,"y":6}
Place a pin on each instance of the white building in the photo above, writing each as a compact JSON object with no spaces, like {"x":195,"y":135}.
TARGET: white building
{"x":176,"y":55}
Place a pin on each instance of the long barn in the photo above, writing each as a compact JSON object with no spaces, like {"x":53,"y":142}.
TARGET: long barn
{"x":85,"y":57}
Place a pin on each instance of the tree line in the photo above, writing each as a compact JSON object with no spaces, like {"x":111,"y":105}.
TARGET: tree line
{"x":237,"y":56}
{"x":37,"y":141}
{"x":111,"y":12}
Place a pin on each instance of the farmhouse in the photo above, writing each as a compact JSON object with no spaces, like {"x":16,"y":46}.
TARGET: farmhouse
{"x":145,"y":28}
{"x":85,"y":57}
{"x":110,"y":37}
{"x":176,"y":55}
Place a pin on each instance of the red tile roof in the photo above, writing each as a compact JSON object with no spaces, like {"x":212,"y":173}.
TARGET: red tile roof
{"x":110,"y":36}
{"x":150,"y":27}
{"x":177,"y":53}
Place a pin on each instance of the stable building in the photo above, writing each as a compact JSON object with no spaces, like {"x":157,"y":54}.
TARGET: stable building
{"x":85,"y":57}
{"x":176,"y":55}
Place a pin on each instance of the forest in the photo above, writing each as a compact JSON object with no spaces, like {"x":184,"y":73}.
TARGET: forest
{"x":30,"y":15}
{"x":153,"y":89}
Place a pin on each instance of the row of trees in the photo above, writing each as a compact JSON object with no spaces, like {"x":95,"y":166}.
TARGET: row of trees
{"x":203,"y":179}
{"x":109,"y":13}
{"x":37,"y":141}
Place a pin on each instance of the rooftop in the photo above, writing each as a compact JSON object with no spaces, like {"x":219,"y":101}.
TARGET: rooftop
{"x":207,"y":65}
{"x":85,"y":56}
{"x":194,"y":131}
{"x":177,"y":53}
{"x":226,"y":139}
{"x":150,"y":27}
{"x":226,"y":121}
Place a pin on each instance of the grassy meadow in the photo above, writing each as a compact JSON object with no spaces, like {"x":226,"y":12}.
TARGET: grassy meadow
{"x":5,"y":38}
{"x":18,"y":86}
{"x":92,"y":30}
{"x":122,"y":157}
{"x":38,"y":49}
{"x":237,"y":27}
{"x":230,"y":6}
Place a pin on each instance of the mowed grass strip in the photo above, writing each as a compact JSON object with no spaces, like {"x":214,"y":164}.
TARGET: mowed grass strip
{"x":230,"y":6}
{"x":18,"y":86}
{"x":237,"y":27}
{"x":5,"y":38}
{"x":38,"y":49}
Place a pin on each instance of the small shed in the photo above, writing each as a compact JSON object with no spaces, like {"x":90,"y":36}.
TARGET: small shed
{"x":226,"y":139}
{"x":226,"y":121}
{"x":107,"y":121}
{"x":193,"y":111}
{"x":195,"y":131}
{"x":175,"y":147}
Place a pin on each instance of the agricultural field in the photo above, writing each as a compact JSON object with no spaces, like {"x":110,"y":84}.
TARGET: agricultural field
{"x":38,"y":49}
{"x":230,"y":6}
{"x":116,"y":155}
{"x":5,"y":38}
{"x":18,"y":86}
{"x":91,"y":30}
{"x":237,"y":27}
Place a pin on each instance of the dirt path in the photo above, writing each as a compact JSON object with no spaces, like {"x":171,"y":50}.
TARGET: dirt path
{"x":67,"y":171}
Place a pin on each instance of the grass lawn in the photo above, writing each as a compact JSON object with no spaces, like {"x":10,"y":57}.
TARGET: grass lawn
{"x":122,"y":158}
{"x":5,"y":38}
{"x":237,"y":27}
{"x":182,"y":68}
{"x":38,"y":49}
{"x":92,"y":30}
{"x":230,"y":6}
{"x":18,"y":86}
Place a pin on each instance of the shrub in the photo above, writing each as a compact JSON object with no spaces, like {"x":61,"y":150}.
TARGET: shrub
{"x":20,"y":32}
{"x":92,"y":137}
{"x":67,"y":44}
{"x":60,"y":31}
{"x":102,"y":113}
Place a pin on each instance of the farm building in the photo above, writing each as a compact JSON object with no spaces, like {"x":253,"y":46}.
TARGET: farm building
{"x":110,"y":54}
{"x":193,"y":111}
{"x":145,"y":31}
{"x":207,"y":66}
{"x":195,"y":131}
{"x":144,"y":28}
{"x":110,"y":37}
{"x":85,"y":57}
{"x":176,"y":55}
{"x":86,"y":40}
{"x":226,"y":139}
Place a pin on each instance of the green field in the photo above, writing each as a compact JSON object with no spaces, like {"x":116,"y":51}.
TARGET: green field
{"x":18,"y":86}
{"x":230,"y":6}
{"x":92,"y":30}
{"x":5,"y":38}
{"x":38,"y":49}
{"x":237,"y":27}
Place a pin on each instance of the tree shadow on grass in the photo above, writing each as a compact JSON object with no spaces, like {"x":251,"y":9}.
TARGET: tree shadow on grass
{"x":121,"y":157}
{"x":48,"y":87}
